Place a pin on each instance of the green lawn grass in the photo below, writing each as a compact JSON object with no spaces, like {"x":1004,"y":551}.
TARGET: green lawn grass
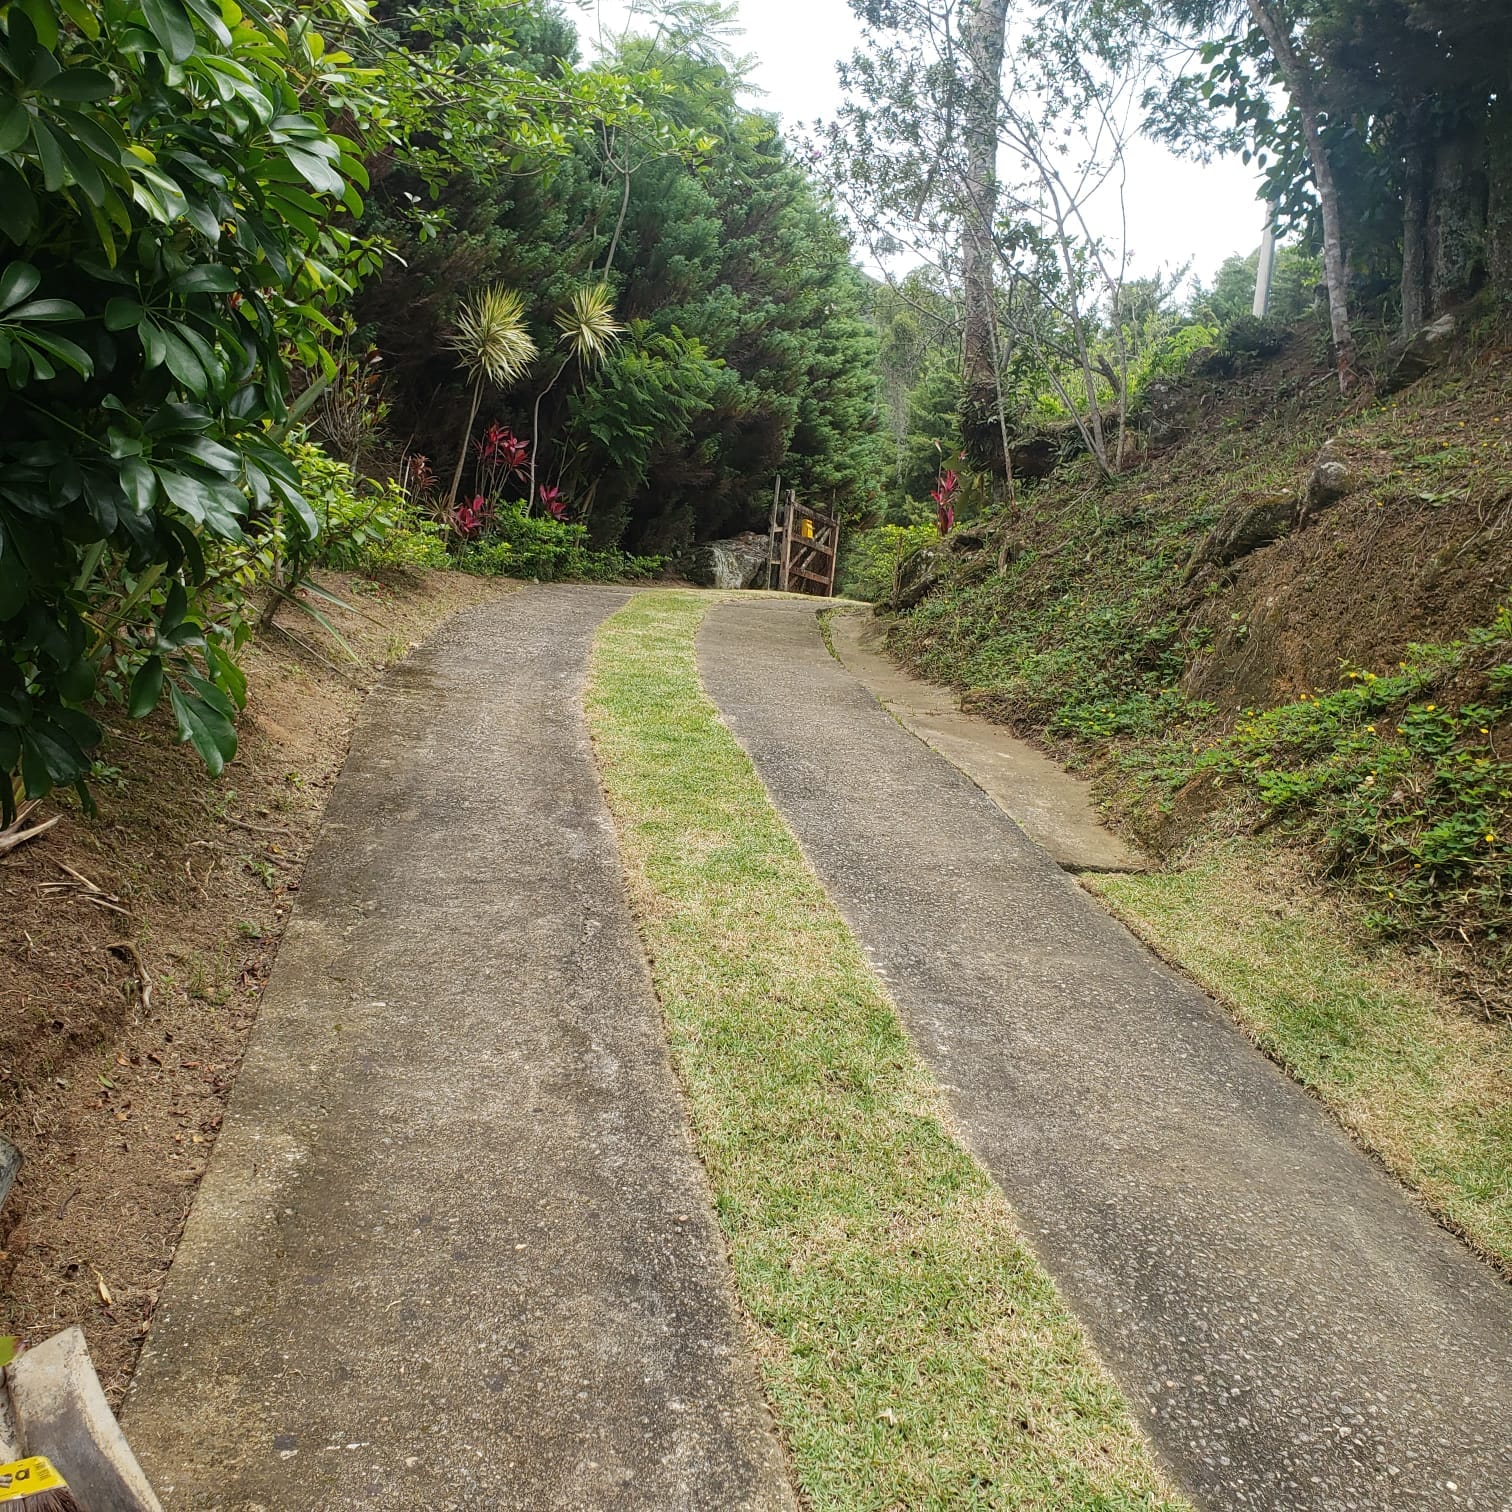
{"x":914,"y":1352}
{"x":1421,"y":1082}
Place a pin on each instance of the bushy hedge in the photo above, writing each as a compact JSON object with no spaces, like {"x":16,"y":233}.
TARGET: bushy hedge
{"x":521,"y":545}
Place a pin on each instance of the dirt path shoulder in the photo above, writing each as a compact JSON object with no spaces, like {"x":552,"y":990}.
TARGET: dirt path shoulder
{"x":134,"y":948}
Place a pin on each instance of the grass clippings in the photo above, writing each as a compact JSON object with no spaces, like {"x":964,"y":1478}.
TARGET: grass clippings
{"x":1419,"y":1081}
{"x":914,"y":1352}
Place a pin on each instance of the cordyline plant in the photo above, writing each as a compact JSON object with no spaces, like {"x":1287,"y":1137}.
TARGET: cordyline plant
{"x":495,"y":348}
{"x":590,"y":334}
{"x":944,"y":495}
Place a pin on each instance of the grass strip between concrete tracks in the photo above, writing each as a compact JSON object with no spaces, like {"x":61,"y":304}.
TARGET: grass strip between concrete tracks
{"x":1421,"y":1081}
{"x":914,"y":1352}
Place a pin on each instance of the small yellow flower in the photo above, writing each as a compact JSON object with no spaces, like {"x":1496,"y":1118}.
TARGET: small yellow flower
{"x":1490,"y":839}
{"x":1432,"y":707}
{"x":1370,"y":729}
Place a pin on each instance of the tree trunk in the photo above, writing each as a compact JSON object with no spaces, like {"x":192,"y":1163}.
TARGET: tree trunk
{"x":1457,"y":245}
{"x":1499,"y":208}
{"x":472,"y":415}
{"x":1297,"y":75}
{"x":1415,"y":203}
{"x":983,"y":37}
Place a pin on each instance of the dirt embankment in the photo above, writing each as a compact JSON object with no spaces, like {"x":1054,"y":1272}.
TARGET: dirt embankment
{"x":133,"y":951}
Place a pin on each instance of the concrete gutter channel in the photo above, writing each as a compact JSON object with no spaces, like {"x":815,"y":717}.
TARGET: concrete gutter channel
{"x":1052,"y":806}
{"x":1294,"y":1334}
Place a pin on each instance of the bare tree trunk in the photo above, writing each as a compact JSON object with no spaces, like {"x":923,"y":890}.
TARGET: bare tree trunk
{"x":1499,"y":206}
{"x":619,"y":225}
{"x":983,"y":39}
{"x":472,"y":415}
{"x":1415,"y":201}
{"x":1299,"y":84}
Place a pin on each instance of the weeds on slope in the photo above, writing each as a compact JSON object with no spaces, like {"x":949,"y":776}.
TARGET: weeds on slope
{"x":914,"y":1352}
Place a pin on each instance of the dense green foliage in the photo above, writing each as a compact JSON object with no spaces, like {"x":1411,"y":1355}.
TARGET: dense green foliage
{"x":748,"y":351}
{"x":1402,"y":784}
{"x":173,"y":213}
{"x":522,"y":545}
{"x":192,"y":267}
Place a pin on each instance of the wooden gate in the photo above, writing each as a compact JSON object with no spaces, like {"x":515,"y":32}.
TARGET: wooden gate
{"x":804,"y":549}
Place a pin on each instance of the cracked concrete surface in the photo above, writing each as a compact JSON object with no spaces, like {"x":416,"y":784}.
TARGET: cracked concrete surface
{"x":1295,"y":1334}
{"x":454,"y":1248}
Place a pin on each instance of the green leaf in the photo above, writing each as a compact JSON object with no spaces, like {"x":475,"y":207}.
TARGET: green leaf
{"x":212,"y":695}
{"x":77,"y":681}
{"x":78,"y":84}
{"x":18,"y":206}
{"x":228,"y":675}
{"x":83,"y":15}
{"x":183,"y":364}
{"x":208,"y":278}
{"x":17,"y":283}
{"x":140,"y":484}
{"x":15,"y":123}
{"x":47,"y":309}
{"x":43,"y":20}
{"x":54,"y":172}
{"x":65,"y":351}
{"x":212,"y":505}
{"x":315,"y":171}
{"x":207,"y":729}
{"x":169,"y":22}
{"x":146,"y":688}
{"x":122,"y":314}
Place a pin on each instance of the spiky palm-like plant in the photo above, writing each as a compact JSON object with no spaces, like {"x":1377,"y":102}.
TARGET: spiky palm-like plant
{"x":590,"y":333}
{"x":589,"y":330}
{"x":491,"y":339}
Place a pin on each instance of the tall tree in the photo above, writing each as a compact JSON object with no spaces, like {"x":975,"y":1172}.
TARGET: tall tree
{"x":983,"y":40}
{"x":1298,"y":74}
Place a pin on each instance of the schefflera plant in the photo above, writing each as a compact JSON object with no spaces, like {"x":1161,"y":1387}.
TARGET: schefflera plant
{"x":173,"y":205}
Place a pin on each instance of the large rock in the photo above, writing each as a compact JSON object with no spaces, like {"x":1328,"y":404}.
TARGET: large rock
{"x":1422,"y":353}
{"x":739,"y":562}
{"x":961,"y":556}
{"x":1328,"y":482}
{"x":1165,"y":412}
{"x":1245,"y":526}
{"x":916,"y":576}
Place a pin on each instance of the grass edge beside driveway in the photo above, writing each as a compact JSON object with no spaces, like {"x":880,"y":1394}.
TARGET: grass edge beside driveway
{"x":914,"y":1352}
{"x":1420,"y":1082}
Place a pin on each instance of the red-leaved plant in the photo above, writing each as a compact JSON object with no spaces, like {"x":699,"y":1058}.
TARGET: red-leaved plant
{"x":944,"y":496}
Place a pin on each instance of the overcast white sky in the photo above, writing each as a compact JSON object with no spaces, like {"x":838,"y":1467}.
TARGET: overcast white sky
{"x":1177,"y":209}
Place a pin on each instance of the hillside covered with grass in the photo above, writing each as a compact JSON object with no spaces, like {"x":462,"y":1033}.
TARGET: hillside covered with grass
{"x":1231,"y":654}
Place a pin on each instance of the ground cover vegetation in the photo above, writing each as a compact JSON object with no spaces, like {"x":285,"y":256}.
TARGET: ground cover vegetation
{"x":378,"y":286}
{"x":914,"y":1351}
